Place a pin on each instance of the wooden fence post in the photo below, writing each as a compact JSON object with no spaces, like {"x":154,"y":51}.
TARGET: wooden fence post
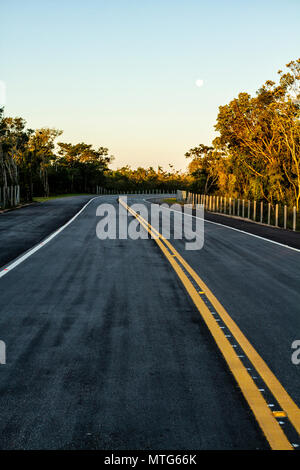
{"x":284,"y":216}
{"x":294,"y":218}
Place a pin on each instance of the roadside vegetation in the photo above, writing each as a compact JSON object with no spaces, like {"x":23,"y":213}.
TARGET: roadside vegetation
{"x":256,"y":154}
{"x":170,"y":200}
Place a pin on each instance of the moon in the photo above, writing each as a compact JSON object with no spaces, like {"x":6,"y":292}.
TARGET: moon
{"x":199,"y":83}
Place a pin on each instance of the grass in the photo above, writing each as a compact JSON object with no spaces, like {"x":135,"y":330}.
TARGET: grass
{"x":43,"y":199}
{"x":172,"y":200}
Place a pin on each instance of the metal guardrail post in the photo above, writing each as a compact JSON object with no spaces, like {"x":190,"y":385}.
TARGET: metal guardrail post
{"x":261,"y":212}
{"x":249,"y":205}
{"x":254,"y":210}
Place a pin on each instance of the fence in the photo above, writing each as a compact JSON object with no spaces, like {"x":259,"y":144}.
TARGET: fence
{"x":9,"y":196}
{"x":258,"y":211}
{"x":100,"y":190}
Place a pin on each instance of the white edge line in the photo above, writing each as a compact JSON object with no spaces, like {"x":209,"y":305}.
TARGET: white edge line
{"x":37,"y":247}
{"x":231,"y":228}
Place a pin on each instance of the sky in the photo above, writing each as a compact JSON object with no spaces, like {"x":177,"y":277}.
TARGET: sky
{"x":122,"y":73}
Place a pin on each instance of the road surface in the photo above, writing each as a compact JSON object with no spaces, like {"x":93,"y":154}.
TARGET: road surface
{"x":20,"y":229}
{"x":107,"y":350}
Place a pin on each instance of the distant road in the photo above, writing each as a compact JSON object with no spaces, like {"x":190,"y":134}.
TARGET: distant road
{"x":107,"y":350}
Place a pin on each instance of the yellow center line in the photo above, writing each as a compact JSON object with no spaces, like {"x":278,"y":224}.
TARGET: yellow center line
{"x":264,"y":416}
{"x":279,"y":392}
{"x":281,"y":395}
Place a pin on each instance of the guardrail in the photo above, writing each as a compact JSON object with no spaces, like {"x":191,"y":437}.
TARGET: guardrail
{"x":9,"y":196}
{"x":275,"y":215}
{"x":100,"y":190}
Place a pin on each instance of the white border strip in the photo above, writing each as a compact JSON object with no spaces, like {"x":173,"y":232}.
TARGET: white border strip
{"x":233,"y":228}
{"x":37,"y":247}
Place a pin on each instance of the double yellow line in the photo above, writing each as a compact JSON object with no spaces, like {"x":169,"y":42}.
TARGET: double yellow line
{"x":262,"y":412}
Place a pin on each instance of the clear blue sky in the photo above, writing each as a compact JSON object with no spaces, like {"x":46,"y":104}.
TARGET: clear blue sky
{"x":121,"y":73}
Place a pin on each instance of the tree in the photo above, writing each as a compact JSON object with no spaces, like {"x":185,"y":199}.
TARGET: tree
{"x":204,"y":167}
{"x":29,"y":157}
{"x":83,"y":163}
{"x":13,"y":142}
{"x":40,"y":153}
{"x":261,"y":135}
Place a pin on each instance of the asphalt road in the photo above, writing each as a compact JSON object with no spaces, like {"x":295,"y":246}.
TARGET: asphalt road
{"x":105,"y":349}
{"x":22,"y":228}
